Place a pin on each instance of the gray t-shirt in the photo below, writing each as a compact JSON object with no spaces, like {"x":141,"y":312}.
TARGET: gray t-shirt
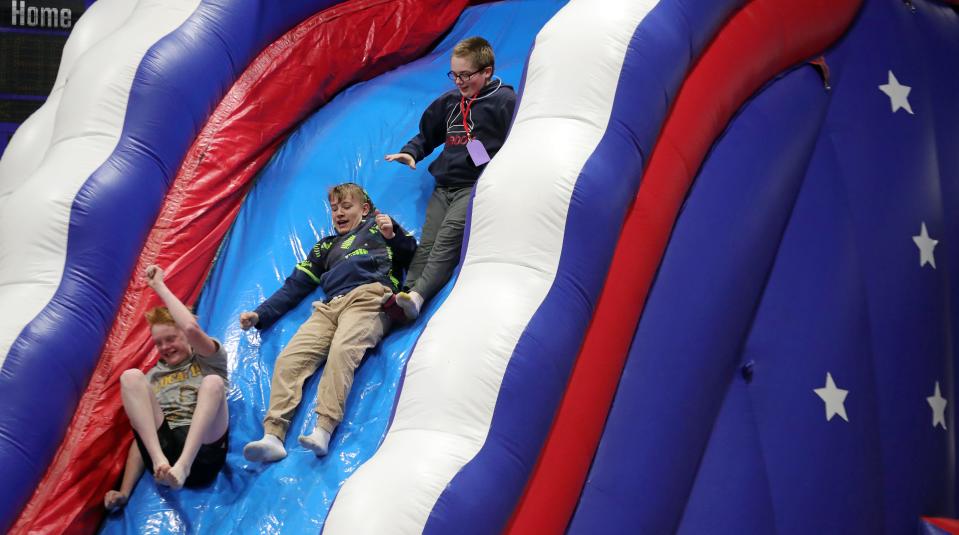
{"x":176,"y":388}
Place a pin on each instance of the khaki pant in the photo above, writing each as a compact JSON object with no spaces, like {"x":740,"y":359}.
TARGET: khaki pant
{"x":343,"y":329}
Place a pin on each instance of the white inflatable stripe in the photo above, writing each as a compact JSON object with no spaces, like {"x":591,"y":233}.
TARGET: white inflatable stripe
{"x":516,"y":236}
{"x":35,"y":217}
{"x":32,"y":139}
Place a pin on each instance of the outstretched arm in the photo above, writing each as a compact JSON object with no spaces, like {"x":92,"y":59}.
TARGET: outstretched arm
{"x":431,"y":135}
{"x":201,"y":343}
{"x":295,"y":288}
{"x":115,"y":499}
{"x":304,"y":279}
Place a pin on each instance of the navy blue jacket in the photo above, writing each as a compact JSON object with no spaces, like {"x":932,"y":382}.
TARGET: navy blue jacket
{"x":442,"y":123}
{"x":340,"y":263}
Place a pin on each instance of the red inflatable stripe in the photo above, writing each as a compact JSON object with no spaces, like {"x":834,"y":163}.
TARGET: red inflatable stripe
{"x":949,"y":525}
{"x":296,"y":74}
{"x":761,"y":40}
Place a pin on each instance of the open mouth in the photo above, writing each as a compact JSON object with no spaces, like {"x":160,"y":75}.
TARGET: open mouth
{"x":171,"y":356}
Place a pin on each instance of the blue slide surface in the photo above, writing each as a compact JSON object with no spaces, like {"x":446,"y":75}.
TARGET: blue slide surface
{"x":284,"y":215}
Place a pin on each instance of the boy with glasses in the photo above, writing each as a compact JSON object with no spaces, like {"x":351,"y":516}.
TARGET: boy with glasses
{"x":359,"y":268}
{"x":470,"y":122}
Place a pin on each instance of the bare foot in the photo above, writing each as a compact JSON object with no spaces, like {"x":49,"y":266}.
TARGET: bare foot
{"x":176,"y":476}
{"x":161,"y":472}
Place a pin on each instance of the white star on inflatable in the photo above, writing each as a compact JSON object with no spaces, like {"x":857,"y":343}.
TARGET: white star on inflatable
{"x":925,"y":245}
{"x":898,"y":94}
{"x":834,"y":398}
{"x":938,"y":404}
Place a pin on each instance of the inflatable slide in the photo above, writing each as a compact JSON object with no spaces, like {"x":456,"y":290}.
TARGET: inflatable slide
{"x":706,"y":284}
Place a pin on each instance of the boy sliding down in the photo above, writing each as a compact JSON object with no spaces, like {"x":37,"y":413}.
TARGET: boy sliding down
{"x":178,"y":409}
{"x":470,"y":122}
{"x":359,"y":269}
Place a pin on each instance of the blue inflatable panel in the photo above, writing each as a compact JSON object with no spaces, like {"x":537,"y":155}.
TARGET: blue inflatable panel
{"x":663,"y":450}
{"x":787,"y":264}
{"x":284,"y":215}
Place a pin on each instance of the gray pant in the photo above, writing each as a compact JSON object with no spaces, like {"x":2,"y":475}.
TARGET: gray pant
{"x":439,"y":249}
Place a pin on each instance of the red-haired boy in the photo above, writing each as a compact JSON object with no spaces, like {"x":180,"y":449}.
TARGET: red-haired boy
{"x":177,"y":409}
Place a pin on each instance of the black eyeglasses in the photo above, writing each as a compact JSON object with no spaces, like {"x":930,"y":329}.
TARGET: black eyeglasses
{"x":463,"y":76}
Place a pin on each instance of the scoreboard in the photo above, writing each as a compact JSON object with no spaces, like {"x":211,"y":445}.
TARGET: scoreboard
{"x":32,"y":35}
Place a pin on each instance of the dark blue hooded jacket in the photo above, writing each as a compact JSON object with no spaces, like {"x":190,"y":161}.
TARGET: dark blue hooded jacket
{"x":340,"y":263}
{"x":489,"y":119}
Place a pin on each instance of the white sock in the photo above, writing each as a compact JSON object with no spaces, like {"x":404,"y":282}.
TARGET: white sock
{"x":410,"y":303}
{"x":266,"y":450}
{"x":318,"y":441}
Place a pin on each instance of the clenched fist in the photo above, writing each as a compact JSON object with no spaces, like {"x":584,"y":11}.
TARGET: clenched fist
{"x":154,"y":275}
{"x":385,"y":224}
{"x":248,"y":319}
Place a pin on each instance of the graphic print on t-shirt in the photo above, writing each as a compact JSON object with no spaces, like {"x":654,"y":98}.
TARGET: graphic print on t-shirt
{"x":455,"y":133}
{"x":176,"y":392}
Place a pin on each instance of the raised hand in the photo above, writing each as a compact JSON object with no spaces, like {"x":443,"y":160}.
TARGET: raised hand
{"x":154,"y":275}
{"x":385,"y":224}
